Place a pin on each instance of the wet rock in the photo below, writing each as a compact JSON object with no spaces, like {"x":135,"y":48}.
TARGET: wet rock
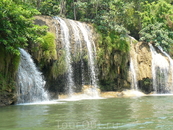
{"x":90,"y":90}
{"x":7,"y":99}
{"x":132,"y":93}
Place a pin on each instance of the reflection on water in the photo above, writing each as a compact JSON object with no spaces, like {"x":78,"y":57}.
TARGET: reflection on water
{"x":31,"y":116}
{"x":149,"y":112}
{"x":142,"y":110}
{"x":79,"y":114}
{"x":22,"y":116}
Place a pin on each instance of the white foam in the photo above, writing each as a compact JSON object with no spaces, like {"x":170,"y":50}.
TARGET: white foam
{"x":133,"y":93}
{"x":80,"y":97}
{"x":160,"y":94}
{"x":42,"y":103}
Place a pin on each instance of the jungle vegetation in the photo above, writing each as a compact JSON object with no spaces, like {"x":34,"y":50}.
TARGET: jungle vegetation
{"x":147,"y":21}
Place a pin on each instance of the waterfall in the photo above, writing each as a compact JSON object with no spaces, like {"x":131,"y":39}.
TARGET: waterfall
{"x":76,"y":39}
{"x":170,"y":67}
{"x":134,"y":85}
{"x":91,"y":57}
{"x":29,"y":81}
{"x":160,"y":72}
{"x":133,"y":67}
{"x":91,"y":54}
{"x":78,"y":48}
{"x":66,"y":42}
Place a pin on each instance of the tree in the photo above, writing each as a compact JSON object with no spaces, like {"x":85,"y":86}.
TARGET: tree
{"x":156,"y":33}
{"x":16,"y":26}
{"x":157,"y":21}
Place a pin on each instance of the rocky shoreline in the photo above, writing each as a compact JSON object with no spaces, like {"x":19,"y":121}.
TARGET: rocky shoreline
{"x":7,"y":99}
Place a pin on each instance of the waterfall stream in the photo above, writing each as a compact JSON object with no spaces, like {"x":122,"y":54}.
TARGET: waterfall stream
{"x":66,"y":42}
{"x":78,"y":46}
{"x":29,"y":81}
{"x":133,"y":67}
{"x":91,"y":54}
{"x":76,"y":39}
{"x":170,"y":67}
{"x":160,"y":72}
{"x":134,"y":84}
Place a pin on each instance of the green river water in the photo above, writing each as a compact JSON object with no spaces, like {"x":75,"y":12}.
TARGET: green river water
{"x":137,"y":113}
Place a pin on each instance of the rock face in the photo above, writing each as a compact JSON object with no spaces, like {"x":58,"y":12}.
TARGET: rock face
{"x":144,"y":61}
{"x":141,"y":55}
{"x":90,"y":90}
{"x":116,"y":78}
{"x":46,"y":20}
{"x":76,"y":52}
{"x":7,"y":99}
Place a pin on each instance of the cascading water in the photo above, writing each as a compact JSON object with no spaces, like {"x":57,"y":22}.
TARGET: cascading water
{"x":77,"y":41}
{"x":66,"y":42}
{"x":91,"y":55}
{"x":134,"y":85}
{"x":29,"y":81}
{"x":160,"y":72}
{"x":78,"y":48}
{"x":133,"y":68}
{"x":170,"y":84}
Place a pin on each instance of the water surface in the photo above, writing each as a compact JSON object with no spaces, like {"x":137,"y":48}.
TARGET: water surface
{"x":147,"y":113}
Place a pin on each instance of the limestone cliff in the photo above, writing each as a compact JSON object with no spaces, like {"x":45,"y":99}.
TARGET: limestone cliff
{"x":55,"y":70}
{"x":113,"y":67}
{"x":141,"y":55}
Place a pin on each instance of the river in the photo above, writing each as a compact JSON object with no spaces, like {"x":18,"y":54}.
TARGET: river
{"x":145,"y":113}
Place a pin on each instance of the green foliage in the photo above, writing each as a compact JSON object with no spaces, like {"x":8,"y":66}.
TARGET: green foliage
{"x":49,"y":7}
{"x":7,"y":84}
{"x":106,"y":15}
{"x":155,"y":12}
{"x":107,"y":85}
{"x":44,"y":51}
{"x":16,"y":25}
{"x":15,"y":63}
{"x":156,"y":33}
{"x":113,"y":41}
{"x":17,"y":30}
{"x":112,"y":35}
{"x":59,"y":66}
{"x":48,"y":46}
{"x":151,"y":21}
{"x":8,"y":67}
{"x":157,"y":21}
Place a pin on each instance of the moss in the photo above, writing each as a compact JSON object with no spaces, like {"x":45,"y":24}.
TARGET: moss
{"x":121,"y":44}
{"x":112,"y":57}
{"x":2,"y":56}
{"x":107,"y":85}
{"x":59,"y":66}
{"x":8,"y":67}
{"x":7,"y":84}
{"x":48,"y":46}
{"x":145,"y":85}
{"x":44,"y":51}
{"x":15,"y":63}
